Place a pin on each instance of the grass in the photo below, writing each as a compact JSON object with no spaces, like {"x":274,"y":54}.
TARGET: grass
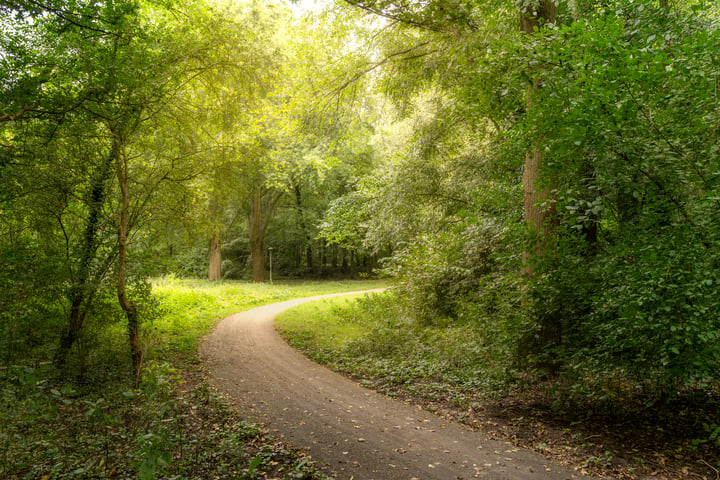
{"x":319,"y":326}
{"x":362,"y":336}
{"x":447,"y":369}
{"x":194,"y":306}
{"x":62,"y":425}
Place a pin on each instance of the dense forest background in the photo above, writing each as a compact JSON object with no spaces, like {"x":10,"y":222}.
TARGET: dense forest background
{"x":545,"y":172}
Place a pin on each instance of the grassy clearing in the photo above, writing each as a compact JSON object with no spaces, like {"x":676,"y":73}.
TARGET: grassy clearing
{"x":171,"y":426}
{"x":194,"y":306}
{"x":446,"y":369}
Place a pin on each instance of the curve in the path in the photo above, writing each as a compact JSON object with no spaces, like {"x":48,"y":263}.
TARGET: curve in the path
{"x":354,"y":432}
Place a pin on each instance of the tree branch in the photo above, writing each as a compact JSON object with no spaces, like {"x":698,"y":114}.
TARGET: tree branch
{"x":397,"y":18}
{"x":13,"y":117}
{"x":370,"y":66}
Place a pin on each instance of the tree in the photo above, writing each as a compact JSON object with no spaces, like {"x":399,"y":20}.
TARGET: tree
{"x":539,"y":205}
{"x":625,"y":113}
{"x":598,"y":101}
{"x":70,"y":98}
{"x":113,"y":75}
{"x":291,"y":151}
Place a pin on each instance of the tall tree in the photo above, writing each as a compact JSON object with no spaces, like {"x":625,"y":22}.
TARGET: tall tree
{"x":539,"y":205}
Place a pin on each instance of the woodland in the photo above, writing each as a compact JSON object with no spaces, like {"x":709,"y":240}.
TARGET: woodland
{"x":537,"y":181}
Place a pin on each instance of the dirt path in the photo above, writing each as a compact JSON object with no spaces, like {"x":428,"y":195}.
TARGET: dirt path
{"x":350,"y":430}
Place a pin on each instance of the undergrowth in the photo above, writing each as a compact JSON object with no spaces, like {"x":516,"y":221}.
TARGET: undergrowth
{"x":172,"y":426}
{"x":449,"y":368}
{"x":365,"y":336}
{"x":94,"y":422}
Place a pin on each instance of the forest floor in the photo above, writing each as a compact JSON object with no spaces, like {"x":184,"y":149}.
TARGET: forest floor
{"x":175,"y":425}
{"x":634,"y":444}
{"x":97,"y":423}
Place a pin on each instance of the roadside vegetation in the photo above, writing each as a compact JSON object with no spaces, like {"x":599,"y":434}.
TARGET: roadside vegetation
{"x":448,"y":368}
{"x":92,"y":423}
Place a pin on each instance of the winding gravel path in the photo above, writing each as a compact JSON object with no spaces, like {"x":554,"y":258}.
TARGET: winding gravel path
{"x":349,"y":430}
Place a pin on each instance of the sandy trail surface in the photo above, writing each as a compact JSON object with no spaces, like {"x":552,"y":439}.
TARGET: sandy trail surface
{"x":350,"y":431}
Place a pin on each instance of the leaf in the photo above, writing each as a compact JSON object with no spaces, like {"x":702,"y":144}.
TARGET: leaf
{"x":255,"y":463}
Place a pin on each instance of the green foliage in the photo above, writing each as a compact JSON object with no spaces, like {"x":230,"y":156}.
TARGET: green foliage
{"x":438,"y":273}
{"x":624,"y":111}
{"x":713,"y":435}
{"x":164,"y":429}
{"x":345,"y":221}
{"x":628,"y":115}
{"x":209,"y":107}
{"x":83,"y":117}
{"x":28,"y":311}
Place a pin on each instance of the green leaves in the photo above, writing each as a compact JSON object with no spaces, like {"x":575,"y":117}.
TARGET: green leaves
{"x":622,"y":118}
{"x":628,"y":125}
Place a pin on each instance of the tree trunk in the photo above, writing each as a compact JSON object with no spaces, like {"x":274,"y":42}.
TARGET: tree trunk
{"x":323,"y":255}
{"x":258,"y":262}
{"x":257,"y":238}
{"x":343,"y":260}
{"x":262,"y":206}
{"x":538,"y":209}
{"x":539,"y":206}
{"x":530,"y":17}
{"x":215,"y":256}
{"x":131,"y":313}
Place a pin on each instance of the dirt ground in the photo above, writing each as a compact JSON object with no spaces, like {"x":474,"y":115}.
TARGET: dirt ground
{"x":351,"y":431}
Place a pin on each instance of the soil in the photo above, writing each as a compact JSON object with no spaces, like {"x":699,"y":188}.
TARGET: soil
{"x":350,"y":431}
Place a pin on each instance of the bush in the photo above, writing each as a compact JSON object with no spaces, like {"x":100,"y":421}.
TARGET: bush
{"x":653,"y":314}
{"x":436,"y":275}
{"x":31,"y":317}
